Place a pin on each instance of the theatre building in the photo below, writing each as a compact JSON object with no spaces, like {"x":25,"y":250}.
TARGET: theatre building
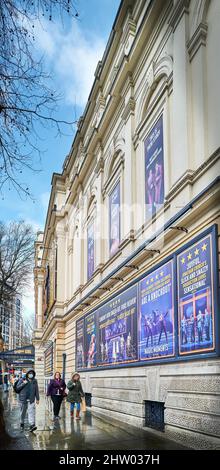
{"x":127,"y":268}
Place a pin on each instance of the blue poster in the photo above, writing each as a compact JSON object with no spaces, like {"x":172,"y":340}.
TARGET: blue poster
{"x":156,"y":314}
{"x":114,"y":219}
{"x":90,"y":250}
{"x":90,"y":341}
{"x":117,"y":326}
{"x":195,"y":298}
{"x":154,"y":170}
{"x":80,"y":361}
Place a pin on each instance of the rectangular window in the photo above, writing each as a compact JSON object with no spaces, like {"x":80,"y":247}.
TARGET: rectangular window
{"x":154,"y":170}
{"x":114,"y":219}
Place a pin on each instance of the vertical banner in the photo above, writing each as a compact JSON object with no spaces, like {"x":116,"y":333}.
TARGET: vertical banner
{"x":117,"y":327}
{"x":90,"y":341}
{"x":90,"y":250}
{"x":156,"y":314}
{"x":195,"y":298}
{"x":154,"y":169}
{"x":80,"y":362}
{"x":114,"y":219}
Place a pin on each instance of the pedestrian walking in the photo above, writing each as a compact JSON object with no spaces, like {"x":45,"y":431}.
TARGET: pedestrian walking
{"x":27,"y":388}
{"x":6,"y":382}
{"x":56,"y":390}
{"x":75,"y":394}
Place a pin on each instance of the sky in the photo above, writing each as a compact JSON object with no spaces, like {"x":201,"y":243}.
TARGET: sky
{"x":71,"y":51}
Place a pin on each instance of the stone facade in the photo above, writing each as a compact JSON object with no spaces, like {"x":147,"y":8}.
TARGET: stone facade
{"x":162,"y":59}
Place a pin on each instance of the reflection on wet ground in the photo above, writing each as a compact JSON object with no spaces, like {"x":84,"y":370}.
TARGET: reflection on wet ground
{"x":88,"y":433}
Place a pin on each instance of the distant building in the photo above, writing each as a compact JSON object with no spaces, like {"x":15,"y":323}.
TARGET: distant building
{"x":11,"y":321}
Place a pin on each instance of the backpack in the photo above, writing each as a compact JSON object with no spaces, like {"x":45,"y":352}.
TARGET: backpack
{"x":15,"y":386}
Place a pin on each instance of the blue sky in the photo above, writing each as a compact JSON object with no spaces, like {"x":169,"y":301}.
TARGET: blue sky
{"x":71,"y":52}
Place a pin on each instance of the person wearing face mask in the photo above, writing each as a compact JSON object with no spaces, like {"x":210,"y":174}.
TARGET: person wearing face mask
{"x":27,"y":388}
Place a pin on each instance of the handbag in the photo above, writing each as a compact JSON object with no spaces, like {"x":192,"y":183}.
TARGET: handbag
{"x":83,"y":405}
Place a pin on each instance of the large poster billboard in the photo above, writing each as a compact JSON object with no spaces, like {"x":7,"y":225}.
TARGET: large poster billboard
{"x":80,"y":356}
{"x":90,"y":341}
{"x":154,"y":169}
{"x":195,"y":297}
{"x":114,"y":220}
{"x":117,"y":326}
{"x":156,"y":314}
{"x":90,"y":250}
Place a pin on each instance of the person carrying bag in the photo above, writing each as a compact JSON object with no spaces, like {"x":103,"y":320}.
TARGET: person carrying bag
{"x":75,"y":394}
{"x":56,"y":390}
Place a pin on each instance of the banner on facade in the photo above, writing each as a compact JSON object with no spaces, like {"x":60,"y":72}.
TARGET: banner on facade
{"x":114,"y":219}
{"x":156,"y":314}
{"x":80,"y":356}
{"x":195,"y":297}
{"x":90,"y":341}
{"x":90,"y":250}
{"x":154,"y":169}
{"x":117,"y":327}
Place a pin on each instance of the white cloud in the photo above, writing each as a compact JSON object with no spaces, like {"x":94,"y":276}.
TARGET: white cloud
{"x":74,"y":57}
{"x":28,"y":301}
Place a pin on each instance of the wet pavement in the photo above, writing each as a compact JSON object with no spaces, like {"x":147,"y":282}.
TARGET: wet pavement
{"x":90,"y":432}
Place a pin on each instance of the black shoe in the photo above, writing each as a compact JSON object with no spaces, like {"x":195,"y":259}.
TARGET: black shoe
{"x":22,"y":426}
{"x":33,"y":428}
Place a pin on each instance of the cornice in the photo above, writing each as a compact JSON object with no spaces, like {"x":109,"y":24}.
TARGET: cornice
{"x":179,"y":9}
{"x":197,"y":40}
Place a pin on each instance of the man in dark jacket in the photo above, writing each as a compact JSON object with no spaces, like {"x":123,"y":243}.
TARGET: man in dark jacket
{"x":27,"y":387}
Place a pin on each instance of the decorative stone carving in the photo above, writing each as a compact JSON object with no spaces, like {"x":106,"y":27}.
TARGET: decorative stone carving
{"x":161,"y":69}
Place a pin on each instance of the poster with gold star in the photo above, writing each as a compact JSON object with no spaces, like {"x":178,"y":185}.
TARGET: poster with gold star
{"x":195,"y":298}
{"x":156,"y":314}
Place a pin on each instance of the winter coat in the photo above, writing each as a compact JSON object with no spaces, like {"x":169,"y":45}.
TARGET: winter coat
{"x":30,"y":388}
{"x":75,"y":391}
{"x":56,"y":387}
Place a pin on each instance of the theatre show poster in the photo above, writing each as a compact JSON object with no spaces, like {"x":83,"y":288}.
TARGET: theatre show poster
{"x":80,"y":359}
{"x":156,"y":314}
{"x":154,"y":170}
{"x":90,"y":250}
{"x":114,"y":222}
{"x":195,"y":298}
{"x":117,"y":326}
{"x":90,"y":341}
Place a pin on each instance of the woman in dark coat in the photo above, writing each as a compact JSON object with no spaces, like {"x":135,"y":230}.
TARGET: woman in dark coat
{"x":56,"y":390}
{"x":75,"y":394}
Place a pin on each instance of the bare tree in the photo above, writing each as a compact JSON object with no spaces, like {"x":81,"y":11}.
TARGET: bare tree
{"x":26,"y":97}
{"x":28,"y":329}
{"x":16,"y":260}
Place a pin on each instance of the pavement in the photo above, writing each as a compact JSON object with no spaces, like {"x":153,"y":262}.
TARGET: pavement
{"x":89,"y":433}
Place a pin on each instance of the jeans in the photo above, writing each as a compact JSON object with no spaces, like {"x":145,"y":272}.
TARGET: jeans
{"x":30,"y":408}
{"x":72,"y":406}
{"x":57,"y":400}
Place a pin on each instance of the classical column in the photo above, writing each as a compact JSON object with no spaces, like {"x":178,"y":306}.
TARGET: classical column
{"x":40,"y":302}
{"x":181,"y":115}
